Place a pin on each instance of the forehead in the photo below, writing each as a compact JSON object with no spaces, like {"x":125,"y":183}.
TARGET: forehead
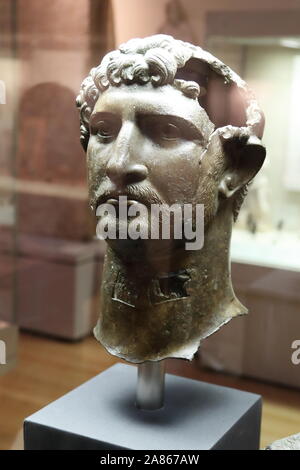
{"x":129,"y":100}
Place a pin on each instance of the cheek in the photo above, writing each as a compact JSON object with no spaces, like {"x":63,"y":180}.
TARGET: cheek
{"x":96,"y":158}
{"x":175,"y":172}
{"x":207,"y":195}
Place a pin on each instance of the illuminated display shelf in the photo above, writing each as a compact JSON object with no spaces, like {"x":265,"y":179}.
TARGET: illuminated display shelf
{"x":273,"y":249}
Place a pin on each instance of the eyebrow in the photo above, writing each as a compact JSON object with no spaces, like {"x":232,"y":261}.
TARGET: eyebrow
{"x":96,"y":117}
{"x":176,"y":119}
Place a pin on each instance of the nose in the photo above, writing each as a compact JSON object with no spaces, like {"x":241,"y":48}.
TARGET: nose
{"x":121,"y":173}
{"x":123,"y":167}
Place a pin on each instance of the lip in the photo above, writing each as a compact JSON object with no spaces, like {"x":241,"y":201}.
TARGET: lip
{"x":113,"y":198}
{"x":115,"y":201}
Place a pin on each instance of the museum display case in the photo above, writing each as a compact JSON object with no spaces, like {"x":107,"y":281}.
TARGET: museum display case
{"x":52,"y":264}
{"x":74,"y":132}
{"x":172,"y":138}
{"x":266,"y":239}
{"x":8,"y":104}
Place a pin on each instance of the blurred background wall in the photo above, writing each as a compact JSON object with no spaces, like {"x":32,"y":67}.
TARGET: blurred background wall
{"x":50,"y":264}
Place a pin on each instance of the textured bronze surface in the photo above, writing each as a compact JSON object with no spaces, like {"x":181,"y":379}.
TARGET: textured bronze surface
{"x":165,"y":122}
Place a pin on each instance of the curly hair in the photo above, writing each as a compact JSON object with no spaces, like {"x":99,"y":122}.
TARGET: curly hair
{"x":155,"y":60}
{"x":161,"y":60}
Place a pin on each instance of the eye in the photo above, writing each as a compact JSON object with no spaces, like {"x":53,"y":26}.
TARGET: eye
{"x":105,"y":126}
{"x":106,"y":129}
{"x":169,"y":131}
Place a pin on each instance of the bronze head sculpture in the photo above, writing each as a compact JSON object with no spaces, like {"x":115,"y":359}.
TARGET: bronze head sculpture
{"x":164,"y":122}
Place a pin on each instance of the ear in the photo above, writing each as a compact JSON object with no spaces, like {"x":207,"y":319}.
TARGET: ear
{"x":244,"y":156}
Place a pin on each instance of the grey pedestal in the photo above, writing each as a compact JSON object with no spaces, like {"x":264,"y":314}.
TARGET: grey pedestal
{"x":101,"y":414}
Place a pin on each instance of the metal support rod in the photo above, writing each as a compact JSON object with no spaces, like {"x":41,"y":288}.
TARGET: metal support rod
{"x":150,"y":385}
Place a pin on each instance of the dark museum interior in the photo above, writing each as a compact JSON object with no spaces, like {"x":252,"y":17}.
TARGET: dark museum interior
{"x":51,"y":257}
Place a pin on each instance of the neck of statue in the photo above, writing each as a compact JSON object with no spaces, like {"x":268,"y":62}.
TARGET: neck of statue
{"x":154,"y":307}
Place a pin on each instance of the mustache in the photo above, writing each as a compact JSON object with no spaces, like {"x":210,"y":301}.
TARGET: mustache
{"x":143,"y":194}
